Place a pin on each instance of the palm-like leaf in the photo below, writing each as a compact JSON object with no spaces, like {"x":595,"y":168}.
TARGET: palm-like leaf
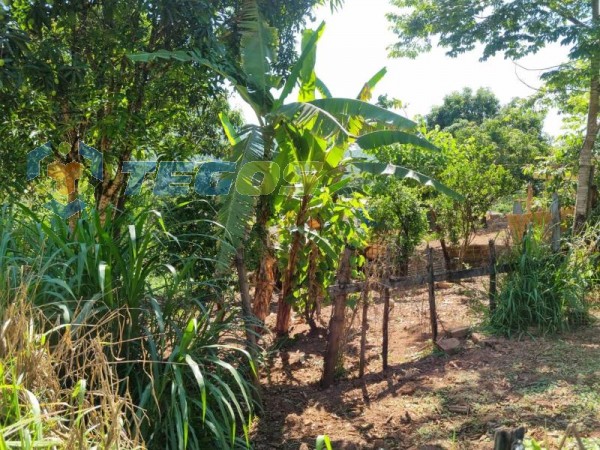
{"x":383,"y":138}
{"x":308,"y":77}
{"x":379,"y":168}
{"x":229,"y":129}
{"x":366,"y":93}
{"x":258,"y":50}
{"x":323,"y":89}
{"x":237,"y":208}
{"x":377,"y":118}
{"x":309,"y":42}
{"x":310,"y":116}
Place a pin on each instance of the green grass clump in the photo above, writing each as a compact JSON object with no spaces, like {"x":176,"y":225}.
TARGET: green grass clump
{"x":57,"y":387}
{"x":545,"y":292}
{"x":113,"y":304}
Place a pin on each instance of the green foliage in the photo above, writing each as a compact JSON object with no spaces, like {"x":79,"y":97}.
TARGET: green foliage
{"x":516,"y":28}
{"x":545,"y":292}
{"x":464,"y":105}
{"x":484,"y":159}
{"x":465,"y":165}
{"x":49,"y":400}
{"x":339,"y":218}
{"x":323,"y":442}
{"x":65,"y":76}
{"x":160,"y":328}
{"x":309,"y":131}
{"x":515,"y":135}
{"x":397,"y":215}
{"x":470,"y":169}
{"x":556,"y":172}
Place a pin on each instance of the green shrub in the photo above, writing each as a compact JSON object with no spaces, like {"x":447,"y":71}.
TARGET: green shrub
{"x":173,"y":343}
{"x":398,"y":218}
{"x":544,"y":292}
{"x":57,"y":388}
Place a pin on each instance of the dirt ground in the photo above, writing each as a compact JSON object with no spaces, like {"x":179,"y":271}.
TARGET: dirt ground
{"x":427,"y":399}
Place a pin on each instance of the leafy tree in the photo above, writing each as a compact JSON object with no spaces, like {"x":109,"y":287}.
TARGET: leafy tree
{"x":464,"y":105}
{"x":309,"y":131}
{"x":515,"y":28}
{"x":334,"y":221}
{"x":467,"y":164}
{"x":398,"y":217}
{"x":471,"y":171}
{"x":65,"y":77}
{"x":516,"y":134}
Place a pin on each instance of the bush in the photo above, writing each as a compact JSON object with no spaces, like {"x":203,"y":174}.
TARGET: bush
{"x":176,"y":352}
{"x":545,"y":292}
{"x":59,"y":389}
{"x":398,"y":218}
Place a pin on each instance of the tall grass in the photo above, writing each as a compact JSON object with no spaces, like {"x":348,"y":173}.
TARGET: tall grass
{"x":57,"y":389}
{"x":546,"y":292}
{"x":177,"y":356}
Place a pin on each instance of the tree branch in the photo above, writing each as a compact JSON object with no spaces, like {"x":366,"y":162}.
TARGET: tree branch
{"x":566,"y":15}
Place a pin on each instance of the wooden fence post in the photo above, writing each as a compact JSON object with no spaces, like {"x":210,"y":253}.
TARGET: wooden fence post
{"x":364,"y":324}
{"x":337,"y":322}
{"x":431,"y":281}
{"x":493,"y":288}
{"x":555,"y":212}
{"x":386,"y":322}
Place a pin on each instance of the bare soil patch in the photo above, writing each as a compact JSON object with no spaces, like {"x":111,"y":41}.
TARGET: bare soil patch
{"x":428,"y":399}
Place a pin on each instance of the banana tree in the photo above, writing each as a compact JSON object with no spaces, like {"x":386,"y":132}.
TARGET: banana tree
{"x":310,"y":129}
{"x":318,"y":161}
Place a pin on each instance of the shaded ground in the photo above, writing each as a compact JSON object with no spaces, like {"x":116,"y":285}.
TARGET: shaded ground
{"x":427,"y":398}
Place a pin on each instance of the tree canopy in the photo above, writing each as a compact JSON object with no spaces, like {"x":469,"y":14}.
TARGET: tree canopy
{"x":65,"y":76}
{"x":464,"y":105}
{"x":515,"y":29}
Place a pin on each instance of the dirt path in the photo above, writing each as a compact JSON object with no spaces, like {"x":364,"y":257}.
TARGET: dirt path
{"x":427,"y":399}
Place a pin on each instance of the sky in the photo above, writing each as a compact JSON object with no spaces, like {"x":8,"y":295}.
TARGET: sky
{"x":354,"y":47}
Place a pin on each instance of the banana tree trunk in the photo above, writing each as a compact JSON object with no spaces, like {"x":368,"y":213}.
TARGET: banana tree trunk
{"x":265,"y":282}
{"x":286,"y":298}
{"x":586,"y":170}
{"x":314,"y":288}
{"x":240,"y":265}
{"x":336,"y":324}
{"x":265,"y":276}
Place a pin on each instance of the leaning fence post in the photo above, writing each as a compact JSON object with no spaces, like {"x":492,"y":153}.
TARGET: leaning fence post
{"x":364,"y":323}
{"x":337,"y":322}
{"x":431,"y":280}
{"x":386,"y":321}
{"x":492,"y":276}
{"x":555,"y":213}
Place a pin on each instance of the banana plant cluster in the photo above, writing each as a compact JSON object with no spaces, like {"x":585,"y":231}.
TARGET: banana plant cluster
{"x":319,"y":134}
{"x":335,"y":220}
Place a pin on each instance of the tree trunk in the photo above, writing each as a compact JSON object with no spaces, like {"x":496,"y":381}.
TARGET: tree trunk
{"x":73,"y":156}
{"x":246,"y":302}
{"x":336,"y":325}
{"x":314,"y":288}
{"x":109,"y":194}
{"x":386,"y":323}
{"x":446,"y":254}
{"x":265,"y":276}
{"x":286,"y":298}
{"x":438,"y":229}
{"x":364,"y":328}
{"x":586,"y":172}
{"x":265,"y":282}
